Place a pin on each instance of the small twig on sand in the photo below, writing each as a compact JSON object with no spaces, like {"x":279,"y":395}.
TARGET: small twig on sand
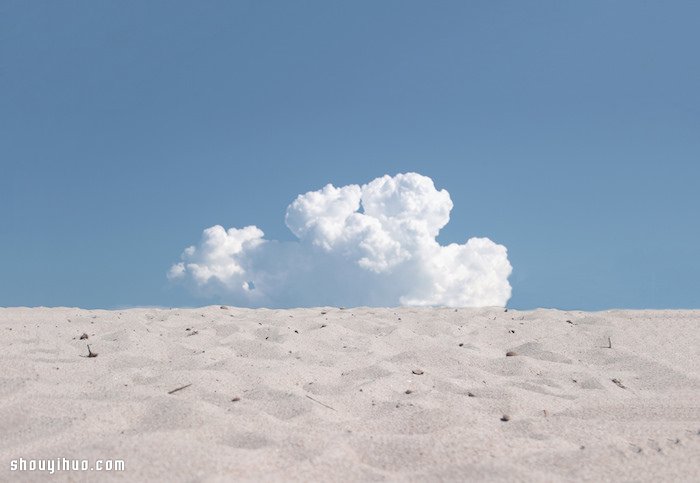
{"x":316,"y":400}
{"x":619,"y":384}
{"x":179,"y":388}
{"x":609,"y":343}
{"x":90,"y":353}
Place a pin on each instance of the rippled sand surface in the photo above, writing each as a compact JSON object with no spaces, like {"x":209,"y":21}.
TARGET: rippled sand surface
{"x":364,"y":394}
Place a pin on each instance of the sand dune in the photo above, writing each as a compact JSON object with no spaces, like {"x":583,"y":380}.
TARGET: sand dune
{"x":359,"y":394}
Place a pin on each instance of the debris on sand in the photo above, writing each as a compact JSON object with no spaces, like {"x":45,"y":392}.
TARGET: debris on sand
{"x":90,"y":353}
{"x":179,"y":388}
{"x":619,"y":384}
{"x":319,"y":402}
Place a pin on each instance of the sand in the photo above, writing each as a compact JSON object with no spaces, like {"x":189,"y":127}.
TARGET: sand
{"x":362,"y":394}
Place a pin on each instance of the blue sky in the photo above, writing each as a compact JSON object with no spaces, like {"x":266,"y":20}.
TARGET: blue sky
{"x":567,"y":131}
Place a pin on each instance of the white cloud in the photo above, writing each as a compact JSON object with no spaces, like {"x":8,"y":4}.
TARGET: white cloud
{"x":358,"y":245}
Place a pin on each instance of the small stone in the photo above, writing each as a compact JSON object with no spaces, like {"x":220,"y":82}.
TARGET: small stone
{"x":470,"y":394}
{"x":505,"y":418}
{"x":511,"y":354}
{"x":461,"y":344}
{"x":84,"y":336}
{"x":408,"y":391}
{"x":235,"y":399}
{"x":417,"y":372}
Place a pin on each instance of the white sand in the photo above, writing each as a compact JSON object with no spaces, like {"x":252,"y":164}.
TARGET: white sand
{"x":323,"y":395}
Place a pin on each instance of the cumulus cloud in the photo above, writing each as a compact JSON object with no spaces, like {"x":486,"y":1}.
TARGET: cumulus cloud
{"x":373,"y":244}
